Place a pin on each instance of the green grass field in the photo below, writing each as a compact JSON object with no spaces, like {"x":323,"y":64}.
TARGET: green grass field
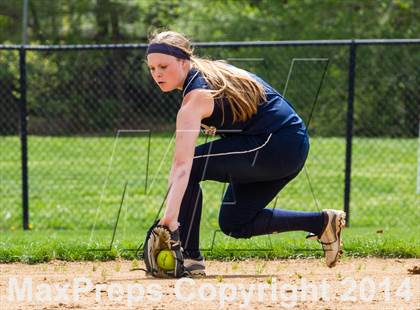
{"x":43,"y":246}
{"x":76,"y":185}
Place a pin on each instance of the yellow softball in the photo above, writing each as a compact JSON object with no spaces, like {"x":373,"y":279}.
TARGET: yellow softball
{"x":165,"y":260}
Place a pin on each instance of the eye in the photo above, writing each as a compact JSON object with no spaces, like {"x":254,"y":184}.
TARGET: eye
{"x":164,"y":67}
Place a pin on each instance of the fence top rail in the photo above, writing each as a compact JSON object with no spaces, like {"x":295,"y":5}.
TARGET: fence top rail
{"x":214,"y":44}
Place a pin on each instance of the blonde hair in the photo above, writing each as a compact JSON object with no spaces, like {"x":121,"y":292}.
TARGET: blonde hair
{"x":242,"y":91}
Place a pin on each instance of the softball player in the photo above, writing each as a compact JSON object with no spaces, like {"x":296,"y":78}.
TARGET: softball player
{"x":263,"y":146}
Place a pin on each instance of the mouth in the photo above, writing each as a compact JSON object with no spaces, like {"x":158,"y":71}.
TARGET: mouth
{"x":161,"y":83}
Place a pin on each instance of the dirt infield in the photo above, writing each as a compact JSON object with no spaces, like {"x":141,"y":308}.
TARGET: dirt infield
{"x":253,"y":284}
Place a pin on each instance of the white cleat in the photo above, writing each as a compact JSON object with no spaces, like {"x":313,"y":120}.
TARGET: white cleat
{"x":330,"y":237}
{"x":195,"y":267}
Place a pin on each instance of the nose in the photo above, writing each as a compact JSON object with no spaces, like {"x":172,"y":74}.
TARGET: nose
{"x":158,"y":73}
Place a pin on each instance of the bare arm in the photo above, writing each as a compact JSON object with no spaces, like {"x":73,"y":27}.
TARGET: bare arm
{"x":197,"y":105}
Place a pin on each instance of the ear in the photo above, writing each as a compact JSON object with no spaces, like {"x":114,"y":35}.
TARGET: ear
{"x":185,"y":63}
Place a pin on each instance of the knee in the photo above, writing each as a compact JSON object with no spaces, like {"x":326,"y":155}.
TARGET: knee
{"x":197,"y":173}
{"x":229,"y":228}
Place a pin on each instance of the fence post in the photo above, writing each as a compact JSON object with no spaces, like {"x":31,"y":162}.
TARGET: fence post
{"x":24,"y":137}
{"x":349,"y":129}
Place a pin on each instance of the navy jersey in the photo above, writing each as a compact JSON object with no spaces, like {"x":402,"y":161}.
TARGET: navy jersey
{"x":272,"y":115}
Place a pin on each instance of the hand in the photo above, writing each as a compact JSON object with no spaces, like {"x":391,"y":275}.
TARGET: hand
{"x":172,"y":225}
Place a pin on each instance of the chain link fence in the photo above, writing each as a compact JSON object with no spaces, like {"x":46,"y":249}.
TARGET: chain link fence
{"x":97,"y":123}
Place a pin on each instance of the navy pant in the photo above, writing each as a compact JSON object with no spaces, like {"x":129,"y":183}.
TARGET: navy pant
{"x":256,"y":168}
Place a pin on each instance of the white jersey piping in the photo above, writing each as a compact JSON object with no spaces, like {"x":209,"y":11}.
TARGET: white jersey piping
{"x":238,"y":152}
{"x":183,"y":92}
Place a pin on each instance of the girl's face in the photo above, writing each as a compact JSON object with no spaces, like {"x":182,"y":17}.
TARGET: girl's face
{"x":168,"y":71}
